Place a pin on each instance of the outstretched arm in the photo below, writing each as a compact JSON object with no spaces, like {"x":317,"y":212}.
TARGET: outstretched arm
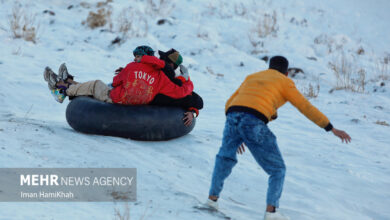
{"x":172,"y":90}
{"x":296,"y":98}
{"x":154,"y":61}
{"x":299,"y":101}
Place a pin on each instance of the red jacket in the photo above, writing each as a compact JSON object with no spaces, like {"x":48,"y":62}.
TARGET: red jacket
{"x":138,"y":83}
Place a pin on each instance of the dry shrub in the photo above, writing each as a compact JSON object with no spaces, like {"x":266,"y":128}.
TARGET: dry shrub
{"x":132,"y":23}
{"x":211,"y":71}
{"x":240,"y":9}
{"x":348,"y":76}
{"x":23,"y":24}
{"x":159,"y":7}
{"x":360,"y":51}
{"x":85,"y":5}
{"x":103,"y":4}
{"x":122,"y":216}
{"x":384,"y":123}
{"x":98,"y":5}
{"x":311,"y":91}
{"x":257,"y":44}
{"x":382,"y":68}
{"x":217,"y":8}
{"x":360,"y":82}
{"x":332,"y":43}
{"x":99,"y":18}
{"x":202,"y":33}
{"x":266,"y":25}
{"x":297,"y":22}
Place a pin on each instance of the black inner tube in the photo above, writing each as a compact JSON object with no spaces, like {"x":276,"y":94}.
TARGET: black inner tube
{"x":141,"y":122}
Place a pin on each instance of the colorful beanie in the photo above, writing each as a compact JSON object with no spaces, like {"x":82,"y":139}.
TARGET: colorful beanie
{"x":172,"y":56}
{"x":143,"y":50}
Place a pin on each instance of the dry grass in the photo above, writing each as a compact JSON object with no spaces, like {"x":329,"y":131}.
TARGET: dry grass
{"x":382,"y":68}
{"x":348,"y":76}
{"x":333,"y":44}
{"x":132,"y":23}
{"x":122,"y":216}
{"x":384,"y":123}
{"x":103,"y":4}
{"x":202,"y":33}
{"x":218,"y":8}
{"x":159,"y":7}
{"x":129,"y":23}
{"x":240,"y":9}
{"x":211,"y":71}
{"x":266,"y":25}
{"x":98,"y":4}
{"x":99,"y":18}
{"x":360,"y":51}
{"x":23,"y":24}
{"x":257,"y":44}
{"x":311,"y":91}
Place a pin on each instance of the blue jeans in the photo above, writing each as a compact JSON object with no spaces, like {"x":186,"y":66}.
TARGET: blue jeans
{"x":241,"y":127}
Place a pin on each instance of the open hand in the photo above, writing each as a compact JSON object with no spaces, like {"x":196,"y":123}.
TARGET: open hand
{"x":241,"y":149}
{"x":182,"y":72}
{"x":342,"y":135}
{"x":188,"y":118}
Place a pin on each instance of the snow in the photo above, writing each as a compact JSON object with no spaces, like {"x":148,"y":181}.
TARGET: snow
{"x":325,"y":178}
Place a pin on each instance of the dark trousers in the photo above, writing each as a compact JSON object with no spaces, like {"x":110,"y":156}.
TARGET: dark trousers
{"x":193,"y":100}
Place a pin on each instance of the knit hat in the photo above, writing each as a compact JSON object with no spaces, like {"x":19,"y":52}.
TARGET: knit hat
{"x":279,"y":63}
{"x":143,"y":50}
{"x":172,"y":56}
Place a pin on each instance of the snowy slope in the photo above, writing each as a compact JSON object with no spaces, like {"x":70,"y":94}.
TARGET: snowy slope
{"x":325,"y":178}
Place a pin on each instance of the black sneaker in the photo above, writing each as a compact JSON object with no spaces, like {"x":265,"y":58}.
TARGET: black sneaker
{"x":63,"y":73}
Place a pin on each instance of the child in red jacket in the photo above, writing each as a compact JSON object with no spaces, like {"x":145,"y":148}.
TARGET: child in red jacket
{"x":136,"y":84}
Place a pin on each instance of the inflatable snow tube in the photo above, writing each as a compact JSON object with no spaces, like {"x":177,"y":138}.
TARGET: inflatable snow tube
{"x":146,"y":122}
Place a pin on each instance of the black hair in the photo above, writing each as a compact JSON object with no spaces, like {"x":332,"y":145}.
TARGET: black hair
{"x":279,"y":63}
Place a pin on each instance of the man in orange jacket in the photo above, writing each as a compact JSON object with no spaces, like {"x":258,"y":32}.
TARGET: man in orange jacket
{"x":248,"y":111}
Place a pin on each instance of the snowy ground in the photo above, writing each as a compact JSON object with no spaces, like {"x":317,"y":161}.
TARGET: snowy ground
{"x":325,"y":178}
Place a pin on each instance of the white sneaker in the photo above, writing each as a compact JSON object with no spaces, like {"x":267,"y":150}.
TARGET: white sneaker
{"x":275,"y":216}
{"x":212,"y":204}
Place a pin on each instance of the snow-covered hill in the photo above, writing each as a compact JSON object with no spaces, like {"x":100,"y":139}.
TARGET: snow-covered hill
{"x":221,"y":42}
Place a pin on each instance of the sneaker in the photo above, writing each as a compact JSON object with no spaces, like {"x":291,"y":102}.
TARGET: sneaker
{"x":275,"y":216}
{"x":51,"y":78}
{"x":212,"y":204}
{"x":58,"y":94}
{"x":63,"y":73}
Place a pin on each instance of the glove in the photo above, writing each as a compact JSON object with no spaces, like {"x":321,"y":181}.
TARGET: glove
{"x":182,"y":74}
{"x":117,"y":71}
